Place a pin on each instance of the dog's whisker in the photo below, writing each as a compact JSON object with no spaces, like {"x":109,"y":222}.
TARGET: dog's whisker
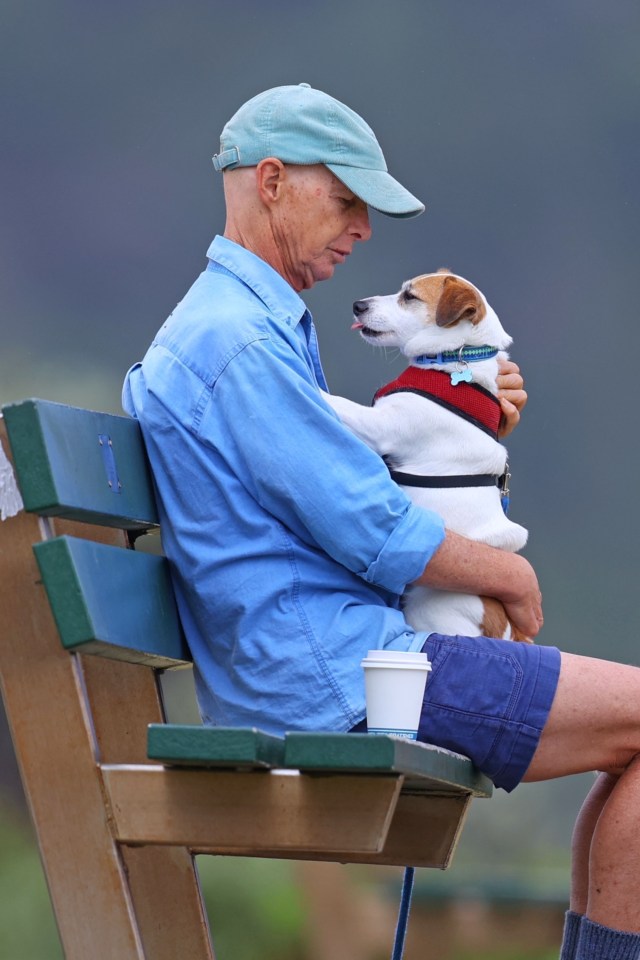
{"x":390,"y":354}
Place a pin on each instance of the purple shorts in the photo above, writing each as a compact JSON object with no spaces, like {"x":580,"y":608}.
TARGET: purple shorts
{"x":488,"y":700}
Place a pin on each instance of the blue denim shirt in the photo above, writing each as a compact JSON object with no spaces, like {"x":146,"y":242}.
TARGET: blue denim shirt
{"x":288,"y":542}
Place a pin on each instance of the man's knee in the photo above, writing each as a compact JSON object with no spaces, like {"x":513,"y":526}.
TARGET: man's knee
{"x":623,"y":761}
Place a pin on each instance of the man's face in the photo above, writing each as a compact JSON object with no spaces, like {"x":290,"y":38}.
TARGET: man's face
{"x":316,"y":224}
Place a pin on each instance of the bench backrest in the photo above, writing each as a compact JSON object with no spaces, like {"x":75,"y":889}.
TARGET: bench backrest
{"x":82,"y":465}
{"x":86,"y":486}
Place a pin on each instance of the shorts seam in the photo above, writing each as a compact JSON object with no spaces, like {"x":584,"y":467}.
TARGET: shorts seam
{"x":524,"y":731}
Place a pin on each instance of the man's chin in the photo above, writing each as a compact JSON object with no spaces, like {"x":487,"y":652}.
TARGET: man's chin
{"x":323,"y":271}
{"x":311,"y":278}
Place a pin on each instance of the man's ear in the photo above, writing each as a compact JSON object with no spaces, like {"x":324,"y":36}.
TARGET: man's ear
{"x":458,"y":301}
{"x":270,"y":177}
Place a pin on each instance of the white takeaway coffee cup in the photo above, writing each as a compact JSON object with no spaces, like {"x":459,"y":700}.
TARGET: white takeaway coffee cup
{"x":394,"y":689}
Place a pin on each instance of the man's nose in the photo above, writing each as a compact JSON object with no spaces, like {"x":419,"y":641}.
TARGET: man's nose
{"x":360,"y":226}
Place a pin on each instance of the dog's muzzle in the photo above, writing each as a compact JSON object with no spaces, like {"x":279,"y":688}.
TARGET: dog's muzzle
{"x":360,"y":307}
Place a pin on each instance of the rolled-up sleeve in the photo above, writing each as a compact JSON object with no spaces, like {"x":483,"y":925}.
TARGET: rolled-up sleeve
{"x":280,"y":439}
{"x":414,"y":539}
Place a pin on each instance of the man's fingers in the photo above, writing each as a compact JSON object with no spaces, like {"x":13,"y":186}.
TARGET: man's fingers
{"x":507,"y":367}
{"x":509,"y":381}
{"x":516,"y":397}
{"x":511,"y":394}
{"x":510,"y":417}
{"x":526,"y":617}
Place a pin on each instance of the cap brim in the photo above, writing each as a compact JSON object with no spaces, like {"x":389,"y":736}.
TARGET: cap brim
{"x":379,"y":190}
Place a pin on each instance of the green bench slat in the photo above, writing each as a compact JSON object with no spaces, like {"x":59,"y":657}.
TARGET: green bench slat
{"x":64,"y":470}
{"x":113,"y":602}
{"x":424,"y":767}
{"x":198,"y":746}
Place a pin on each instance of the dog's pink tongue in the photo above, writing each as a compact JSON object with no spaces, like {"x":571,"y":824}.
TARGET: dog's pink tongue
{"x":356,"y":325}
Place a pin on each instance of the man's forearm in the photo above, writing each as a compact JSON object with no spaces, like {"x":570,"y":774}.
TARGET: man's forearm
{"x":466,"y":566}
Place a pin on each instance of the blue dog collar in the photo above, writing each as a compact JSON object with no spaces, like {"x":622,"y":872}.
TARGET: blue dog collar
{"x":463,"y":355}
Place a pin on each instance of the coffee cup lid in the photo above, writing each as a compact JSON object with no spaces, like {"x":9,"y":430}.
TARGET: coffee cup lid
{"x":397,"y":658}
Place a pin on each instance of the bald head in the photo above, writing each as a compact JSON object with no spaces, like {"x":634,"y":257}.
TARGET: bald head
{"x":300,"y":219}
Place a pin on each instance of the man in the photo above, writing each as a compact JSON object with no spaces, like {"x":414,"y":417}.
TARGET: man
{"x":290,"y":545}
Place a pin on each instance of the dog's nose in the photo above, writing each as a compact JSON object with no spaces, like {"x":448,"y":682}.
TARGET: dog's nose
{"x":360,"y":306}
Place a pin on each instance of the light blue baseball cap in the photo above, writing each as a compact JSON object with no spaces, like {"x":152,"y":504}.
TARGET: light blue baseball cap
{"x":300,"y":125}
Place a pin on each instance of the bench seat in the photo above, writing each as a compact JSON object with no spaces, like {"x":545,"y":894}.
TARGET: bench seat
{"x":424,"y":767}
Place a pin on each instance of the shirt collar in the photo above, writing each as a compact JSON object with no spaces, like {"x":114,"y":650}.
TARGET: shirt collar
{"x":277,"y":295}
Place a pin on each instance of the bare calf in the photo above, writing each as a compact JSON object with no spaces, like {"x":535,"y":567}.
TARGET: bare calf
{"x":594,"y":724}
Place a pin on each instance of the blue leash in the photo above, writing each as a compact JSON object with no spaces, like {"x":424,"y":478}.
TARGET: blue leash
{"x":403,"y":914}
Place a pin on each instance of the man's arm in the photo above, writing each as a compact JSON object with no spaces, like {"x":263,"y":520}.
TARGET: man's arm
{"x":466,"y":566}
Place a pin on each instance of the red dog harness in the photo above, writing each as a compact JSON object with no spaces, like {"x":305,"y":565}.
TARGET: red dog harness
{"x":469,"y":401}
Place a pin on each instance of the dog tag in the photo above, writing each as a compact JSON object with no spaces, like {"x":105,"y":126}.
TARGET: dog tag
{"x":461,"y":376}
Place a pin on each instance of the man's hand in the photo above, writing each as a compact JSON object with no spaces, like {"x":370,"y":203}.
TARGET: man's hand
{"x":466,"y":566}
{"x":527,"y":611}
{"x":511,"y":395}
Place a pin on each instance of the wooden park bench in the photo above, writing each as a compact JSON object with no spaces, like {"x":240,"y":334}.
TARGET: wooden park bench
{"x":120,"y":799}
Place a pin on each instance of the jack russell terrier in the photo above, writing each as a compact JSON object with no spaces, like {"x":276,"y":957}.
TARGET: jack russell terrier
{"x":436,"y":427}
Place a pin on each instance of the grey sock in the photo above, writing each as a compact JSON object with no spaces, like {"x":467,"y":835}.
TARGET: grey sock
{"x":602,"y":943}
{"x":571,"y":935}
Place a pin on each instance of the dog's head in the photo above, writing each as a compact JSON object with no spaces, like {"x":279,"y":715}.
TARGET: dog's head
{"x":433,"y":312}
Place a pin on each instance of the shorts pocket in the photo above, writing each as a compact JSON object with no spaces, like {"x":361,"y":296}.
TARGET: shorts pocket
{"x":473,"y":676}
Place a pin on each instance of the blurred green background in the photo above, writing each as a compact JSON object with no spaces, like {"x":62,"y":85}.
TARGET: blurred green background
{"x":518,"y":125}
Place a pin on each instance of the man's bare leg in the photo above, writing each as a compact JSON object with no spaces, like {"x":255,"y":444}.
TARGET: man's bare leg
{"x":580,"y":857}
{"x":594,"y":724}
{"x":613,"y":899}
{"x":583,"y":837}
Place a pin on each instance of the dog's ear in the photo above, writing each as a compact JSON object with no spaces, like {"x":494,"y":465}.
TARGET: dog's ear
{"x":458,"y":301}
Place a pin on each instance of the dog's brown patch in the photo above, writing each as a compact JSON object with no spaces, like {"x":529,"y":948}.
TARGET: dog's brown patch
{"x":458,"y":301}
{"x":495,"y":621}
{"x":428,"y":288}
{"x":494,"y":618}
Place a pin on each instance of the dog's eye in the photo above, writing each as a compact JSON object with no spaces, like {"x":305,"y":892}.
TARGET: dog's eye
{"x":407,"y":295}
